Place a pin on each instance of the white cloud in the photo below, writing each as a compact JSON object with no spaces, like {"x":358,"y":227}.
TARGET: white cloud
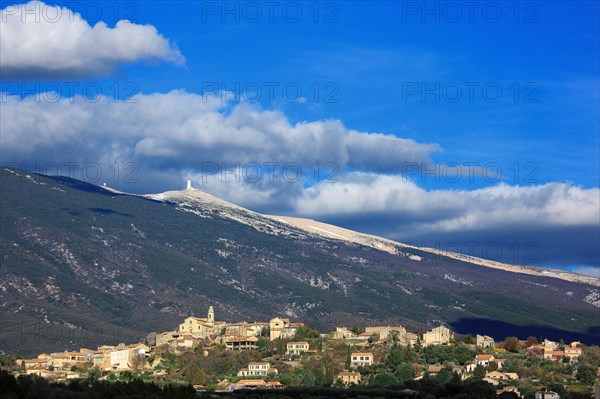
{"x":187,"y":130}
{"x":552,"y":204}
{"x":587,"y":270}
{"x":42,"y":41}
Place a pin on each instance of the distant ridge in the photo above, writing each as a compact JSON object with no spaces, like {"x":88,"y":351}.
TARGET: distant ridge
{"x":383,"y":244}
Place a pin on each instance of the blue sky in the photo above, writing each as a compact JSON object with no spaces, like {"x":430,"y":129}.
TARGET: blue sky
{"x":506,"y":91}
{"x":371,"y":56}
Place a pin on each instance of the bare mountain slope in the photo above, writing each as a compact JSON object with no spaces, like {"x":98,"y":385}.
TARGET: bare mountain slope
{"x":193,"y":198}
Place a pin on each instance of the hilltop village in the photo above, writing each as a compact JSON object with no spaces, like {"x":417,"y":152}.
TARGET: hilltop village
{"x":218,"y":356}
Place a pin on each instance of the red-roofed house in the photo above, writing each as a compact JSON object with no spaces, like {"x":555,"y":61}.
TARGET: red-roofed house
{"x":484,"y":360}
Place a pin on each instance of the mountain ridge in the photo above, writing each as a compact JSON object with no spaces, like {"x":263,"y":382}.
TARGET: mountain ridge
{"x":380,"y":243}
{"x":93,"y":265}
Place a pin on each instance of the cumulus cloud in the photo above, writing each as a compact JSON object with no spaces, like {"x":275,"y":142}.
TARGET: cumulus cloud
{"x":185,"y":130}
{"x":587,"y":270}
{"x":41,"y":41}
{"x":550,"y":204}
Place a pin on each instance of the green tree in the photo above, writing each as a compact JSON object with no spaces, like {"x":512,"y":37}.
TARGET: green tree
{"x":511,"y":344}
{"x":479,"y":390}
{"x":94,"y":373}
{"x":586,"y":374}
{"x":7,"y":360}
{"x":305,"y":332}
{"x":508,"y":395}
{"x":404,"y":372}
{"x":281,"y":346}
{"x":324,"y":374}
{"x":558,"y":388}
{"x":383,"y":379}
{"x":348,"y":358}
{"x":456,"y":379}
{"x":444,"y":376}
{"x":591,"y":356}
{"x":479,"y":373}
{"x":8,"y":384}
{"x":531,"y":340}
{"x":446,"y":354}
{"x":393,"y":359}
{"x":308,"y":379}
{"x":195,"y":375}
{"x":201,"y":377}
{"x":469,"y":339}
{"x":509,"y":366}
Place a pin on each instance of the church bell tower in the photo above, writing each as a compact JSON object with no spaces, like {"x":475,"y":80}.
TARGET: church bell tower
{"x":211,"y":314}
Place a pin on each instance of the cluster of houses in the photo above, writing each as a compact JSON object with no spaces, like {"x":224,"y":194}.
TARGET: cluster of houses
{"x":552,"y":352}
{"x":500,"y":379}
{"x":193,"y":332}
{"x":197,"y":332}
{"x":68,"y":365}
{"x":378,"y":333}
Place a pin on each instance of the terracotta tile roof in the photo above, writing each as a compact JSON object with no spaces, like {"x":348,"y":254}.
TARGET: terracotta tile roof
{"x":349,"y":373}
{"x":251,"y":382}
